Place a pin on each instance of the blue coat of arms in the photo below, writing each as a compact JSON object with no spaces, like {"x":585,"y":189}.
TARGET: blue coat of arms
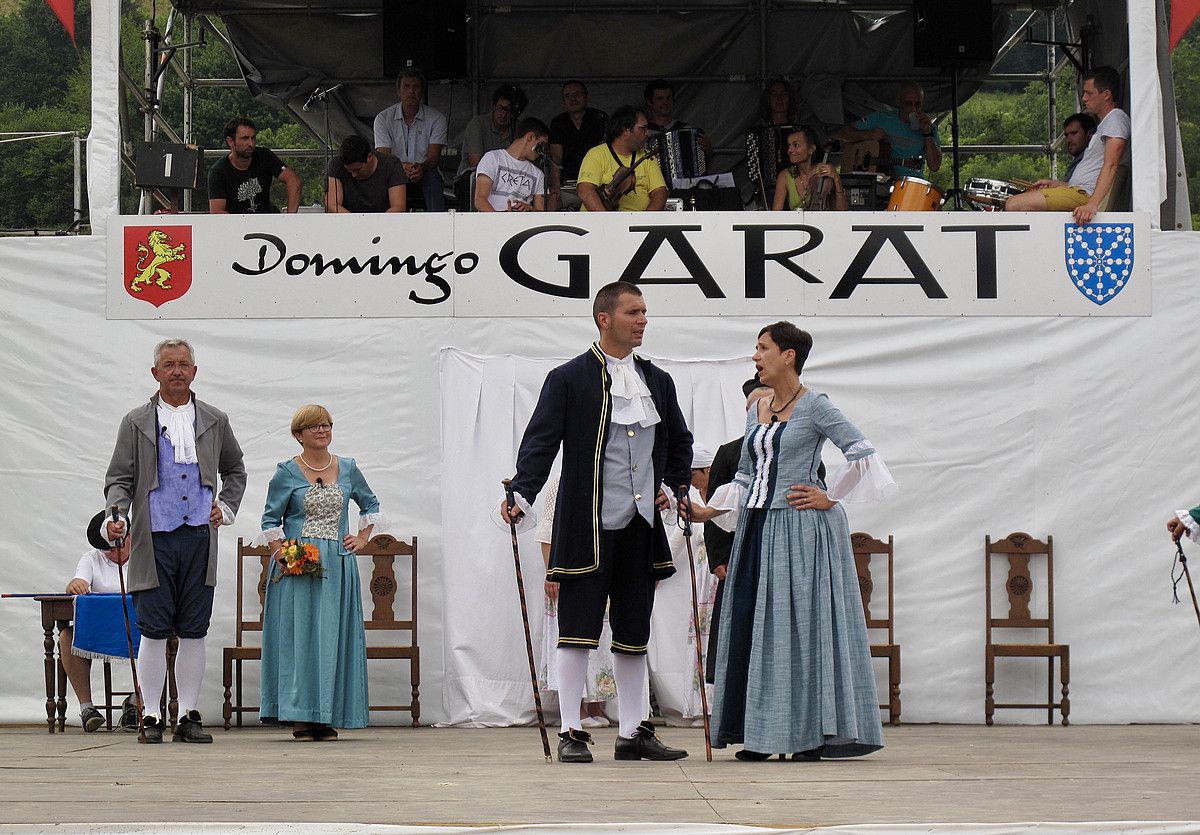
{"x":1099,"y":259}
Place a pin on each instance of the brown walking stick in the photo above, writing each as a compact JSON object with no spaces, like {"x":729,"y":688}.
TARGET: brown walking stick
{"x":537,"y":696}
{"x":685,"y":524}
{"x":137,"y":690}
{"x":1182,"y":561}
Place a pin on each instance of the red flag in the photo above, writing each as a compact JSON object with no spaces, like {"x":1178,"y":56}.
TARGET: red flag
{"x":1183,"y":12}
{"x":65,"y":11}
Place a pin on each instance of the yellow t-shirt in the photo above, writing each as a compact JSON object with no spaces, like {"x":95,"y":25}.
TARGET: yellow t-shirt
{"x":599,"y":167}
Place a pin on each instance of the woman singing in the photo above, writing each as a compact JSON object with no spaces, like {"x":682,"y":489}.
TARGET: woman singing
{"x":805,"y":184}
{"x":794,"y":664}
{"x":314,"y":661}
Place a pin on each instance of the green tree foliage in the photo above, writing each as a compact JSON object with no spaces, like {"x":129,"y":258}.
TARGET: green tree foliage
{"x":1185,"y":64}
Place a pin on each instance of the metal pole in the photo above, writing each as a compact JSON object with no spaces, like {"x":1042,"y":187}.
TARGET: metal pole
{"x":77,"y":197}
{"x":150,"y":36}
{"x":189,"y":91}
{"x":1052,"y":92}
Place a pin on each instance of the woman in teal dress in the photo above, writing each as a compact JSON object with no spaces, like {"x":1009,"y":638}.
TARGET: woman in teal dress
{"x":793,"y":661}
{"x":314,"y":659}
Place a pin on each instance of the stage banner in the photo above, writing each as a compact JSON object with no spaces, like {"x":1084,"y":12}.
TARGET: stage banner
{"x":691,"y":264}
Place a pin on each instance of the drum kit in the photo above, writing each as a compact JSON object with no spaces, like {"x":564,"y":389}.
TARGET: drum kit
{"x":981,"y":194}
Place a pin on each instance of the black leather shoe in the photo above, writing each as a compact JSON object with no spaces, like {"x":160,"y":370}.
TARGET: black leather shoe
{"x":129,"y":716}
{"x":153,"y":728}
{"x":646,"y":746}
{"x":573,"y":747}
{"x":812,"y":755}
{"x":91,"y":720}
{"x":190,"y":729}
{"x":748,"y":756}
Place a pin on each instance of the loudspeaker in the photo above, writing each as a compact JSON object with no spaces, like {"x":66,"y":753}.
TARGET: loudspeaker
{"x":166,"y":165}
{"x":429,"y":36}
{"x":949,"y":32}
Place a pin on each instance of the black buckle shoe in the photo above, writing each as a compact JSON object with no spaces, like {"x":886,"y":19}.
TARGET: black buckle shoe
{"x":645,"y":745}
{"x":573,"y":746}
{"x":129,"y":716}
{"x":190,"y":729}
{"x":91,"y":720}
{"x":152,"y":726}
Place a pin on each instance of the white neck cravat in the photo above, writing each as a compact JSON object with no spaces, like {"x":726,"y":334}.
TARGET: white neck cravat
{"x":631,"y":400}
{"x":180,"y":423}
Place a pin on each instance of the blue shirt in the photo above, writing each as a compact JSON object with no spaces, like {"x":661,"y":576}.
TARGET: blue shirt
{"x":905,"y":141}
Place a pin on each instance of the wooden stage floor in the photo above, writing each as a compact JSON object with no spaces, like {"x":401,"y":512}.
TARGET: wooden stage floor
{"x":429,"y":776}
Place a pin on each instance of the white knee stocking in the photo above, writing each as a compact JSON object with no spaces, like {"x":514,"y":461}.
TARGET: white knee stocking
{"x":572,"y":678}
{"x":152,"y":672}
{"x":629,"y":671}
{"x":189,"y":672}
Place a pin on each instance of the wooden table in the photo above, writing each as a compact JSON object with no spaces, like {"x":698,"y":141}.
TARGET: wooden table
{"x":58,"y":611}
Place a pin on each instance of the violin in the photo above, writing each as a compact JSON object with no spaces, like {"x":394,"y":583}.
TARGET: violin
{"x":824,"y":189}
{"x":622,"y":182}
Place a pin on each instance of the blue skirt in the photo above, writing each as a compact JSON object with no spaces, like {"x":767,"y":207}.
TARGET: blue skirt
{"x":793,"y":658}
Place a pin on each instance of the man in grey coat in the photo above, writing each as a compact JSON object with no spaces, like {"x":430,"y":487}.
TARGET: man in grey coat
{"x":163,"y":481}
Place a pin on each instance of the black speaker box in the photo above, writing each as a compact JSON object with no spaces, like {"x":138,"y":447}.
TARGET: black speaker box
{"x":429,"y":36}
{"x":947,"y":32}
{"x":166,"y":165}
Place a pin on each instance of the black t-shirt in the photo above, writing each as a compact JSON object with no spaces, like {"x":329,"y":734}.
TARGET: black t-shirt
{"x":249,"y":191}
{"x":371,"y":194}
{"x":577,"y":142}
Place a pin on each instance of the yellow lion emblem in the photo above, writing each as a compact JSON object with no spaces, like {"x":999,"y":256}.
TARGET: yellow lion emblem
{"x":163,"y":253}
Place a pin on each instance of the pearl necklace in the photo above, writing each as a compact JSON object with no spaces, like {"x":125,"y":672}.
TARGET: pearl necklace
{"x":318,"y":469}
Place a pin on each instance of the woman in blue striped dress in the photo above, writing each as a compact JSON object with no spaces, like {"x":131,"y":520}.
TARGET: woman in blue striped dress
{"x":794,"y":666}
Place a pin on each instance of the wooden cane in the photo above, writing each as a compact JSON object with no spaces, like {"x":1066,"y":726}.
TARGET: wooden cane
{"x":685,"y":520}
{"x":137,"y":690}
{"x":537,"y":695}
{"x":1188,"y":575}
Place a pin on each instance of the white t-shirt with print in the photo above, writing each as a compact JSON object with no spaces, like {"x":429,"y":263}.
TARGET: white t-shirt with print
{"x":512,"y":179}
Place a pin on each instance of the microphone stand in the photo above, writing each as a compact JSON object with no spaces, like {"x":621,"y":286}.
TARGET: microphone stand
{"x":323,"y":97}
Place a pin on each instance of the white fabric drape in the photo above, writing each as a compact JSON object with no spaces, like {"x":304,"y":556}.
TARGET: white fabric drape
{"x":486,"y":403}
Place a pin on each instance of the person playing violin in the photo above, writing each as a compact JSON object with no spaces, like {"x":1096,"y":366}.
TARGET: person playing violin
{"x":806,"y":184}
{"x":643,"y":190}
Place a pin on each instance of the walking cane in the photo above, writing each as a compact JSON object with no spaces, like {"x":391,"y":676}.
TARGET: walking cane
{"x":1182,"y":560}
{"x":537,"y":696}
{"x":685,"y":524}
{"x":137,"y":690}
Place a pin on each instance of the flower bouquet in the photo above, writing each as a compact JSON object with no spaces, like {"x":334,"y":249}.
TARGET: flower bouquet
{"x":299,"y":559}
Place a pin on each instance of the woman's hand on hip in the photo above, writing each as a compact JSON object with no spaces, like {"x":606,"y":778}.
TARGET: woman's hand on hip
{"x":807,"y":497}
{"x":355,"y":543}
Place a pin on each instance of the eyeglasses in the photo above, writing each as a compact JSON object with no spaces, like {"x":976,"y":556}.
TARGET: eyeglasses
{"x":320,"y":427}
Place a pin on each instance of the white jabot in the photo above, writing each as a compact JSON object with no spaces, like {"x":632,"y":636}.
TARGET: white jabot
{"x":631,"y":400}
{"x":180,"y":423}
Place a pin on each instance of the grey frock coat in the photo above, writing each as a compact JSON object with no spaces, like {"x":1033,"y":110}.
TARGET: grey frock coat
{"x":133,"y":473}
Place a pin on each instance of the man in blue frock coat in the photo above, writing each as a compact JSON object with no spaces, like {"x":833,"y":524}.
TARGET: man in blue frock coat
{"x":624,"y":443}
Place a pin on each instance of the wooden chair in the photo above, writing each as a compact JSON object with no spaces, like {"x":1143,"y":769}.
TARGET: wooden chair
{"x":232,"y":657}
{"x":1020,"y":549}
{"x":382,"y":550}
{"x":865,"y":547}
{"x":169,"y":706}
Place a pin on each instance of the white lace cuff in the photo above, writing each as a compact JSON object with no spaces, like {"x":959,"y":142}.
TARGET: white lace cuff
{"x":862,"y":480}
{"x":379,"y":519}
{"x":730,"y":498}
{"x":529,"y":520}
{"x":1193,"y":527}
{"x":268,"y":536}
{"x":227,"y":514}
{"x":859,"y":449}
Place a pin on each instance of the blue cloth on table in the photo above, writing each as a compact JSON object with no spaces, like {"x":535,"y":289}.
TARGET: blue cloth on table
{"x":100,"y":627}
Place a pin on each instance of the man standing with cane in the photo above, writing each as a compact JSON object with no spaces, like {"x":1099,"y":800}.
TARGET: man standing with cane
{"x":623,"y":437}
{"x":164,"y":467}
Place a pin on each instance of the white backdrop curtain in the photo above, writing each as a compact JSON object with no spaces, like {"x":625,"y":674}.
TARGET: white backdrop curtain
{"x":486,"y":402}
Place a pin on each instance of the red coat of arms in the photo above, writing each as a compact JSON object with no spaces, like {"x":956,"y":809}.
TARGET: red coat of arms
{"x":158,"y":265}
